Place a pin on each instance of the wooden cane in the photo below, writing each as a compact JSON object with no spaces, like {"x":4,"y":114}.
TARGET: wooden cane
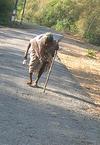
{"x":49,"y":72}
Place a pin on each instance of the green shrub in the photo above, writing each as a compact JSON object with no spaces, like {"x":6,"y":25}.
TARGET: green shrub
{"x":93,"y":38}
{"x":60,"y":15}
{"x":62,"y":25}
{"x":6,"y":7}
{"x":91,"y":53}
{"x":76,"y":16}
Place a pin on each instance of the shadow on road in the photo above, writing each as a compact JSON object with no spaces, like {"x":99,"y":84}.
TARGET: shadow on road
{"x":28,"y":121}
{"x":14,"y":74}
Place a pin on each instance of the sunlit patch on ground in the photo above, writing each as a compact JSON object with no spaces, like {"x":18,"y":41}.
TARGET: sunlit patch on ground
{"x":86,"y":70}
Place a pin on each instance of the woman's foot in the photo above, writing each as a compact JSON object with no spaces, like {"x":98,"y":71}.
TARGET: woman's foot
{"x":29,"y":83}
{"x":35,"y":84}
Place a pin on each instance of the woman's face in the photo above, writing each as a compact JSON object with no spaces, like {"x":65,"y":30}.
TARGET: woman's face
{"x":49,"y":44}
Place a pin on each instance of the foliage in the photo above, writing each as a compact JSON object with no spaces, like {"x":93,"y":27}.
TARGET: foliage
{"x":91,"y":53}
{"x":59,"y":14}
{"x":30,"y":8}
{"x":78,"y":16}
{"x":75,"y":16}
{"x":29,"y":11}
{"x":91,"y":20}
{"x":93,"y":38}
{"x":6,"y":7}
{"x":19,"y":9}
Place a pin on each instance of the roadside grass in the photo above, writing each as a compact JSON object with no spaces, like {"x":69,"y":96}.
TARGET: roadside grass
{"x":91,"y":53}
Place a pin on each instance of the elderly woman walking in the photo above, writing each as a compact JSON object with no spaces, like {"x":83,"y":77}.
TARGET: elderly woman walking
{"x":42,"y":49}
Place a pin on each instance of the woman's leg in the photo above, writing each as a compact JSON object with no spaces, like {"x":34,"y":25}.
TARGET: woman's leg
{"x":30,"y":79}
{"x":40,"y":73}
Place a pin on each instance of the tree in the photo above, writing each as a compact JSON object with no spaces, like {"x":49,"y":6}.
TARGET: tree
{"x":78,"y":16}
{"x":6,"y":7}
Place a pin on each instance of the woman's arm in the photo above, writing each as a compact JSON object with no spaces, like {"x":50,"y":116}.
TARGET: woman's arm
{"x":26,"y":53}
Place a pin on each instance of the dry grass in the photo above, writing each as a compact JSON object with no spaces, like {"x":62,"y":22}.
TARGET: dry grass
{"x":86,"y":70}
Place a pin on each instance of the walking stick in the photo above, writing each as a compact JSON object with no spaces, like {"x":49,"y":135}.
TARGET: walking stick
{"x":49,"y":72}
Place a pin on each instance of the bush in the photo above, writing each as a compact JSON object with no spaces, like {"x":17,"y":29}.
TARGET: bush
{"x":6,"y":8}
{"x":60,"y":15}
{"x":93,"y":38}
{"x":78,"y":16}
{"x":91,"y":53}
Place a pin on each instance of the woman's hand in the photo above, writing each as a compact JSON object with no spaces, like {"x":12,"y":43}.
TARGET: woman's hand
{"x":25,"y":56}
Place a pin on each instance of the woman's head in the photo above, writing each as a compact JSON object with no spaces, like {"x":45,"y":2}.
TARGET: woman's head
{"x":49,"y":37}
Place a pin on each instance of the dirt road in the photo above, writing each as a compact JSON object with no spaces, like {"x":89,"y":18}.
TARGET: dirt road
{"x":30,"y":117}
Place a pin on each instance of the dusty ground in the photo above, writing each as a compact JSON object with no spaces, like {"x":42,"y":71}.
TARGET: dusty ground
{"x":75,"y":55}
